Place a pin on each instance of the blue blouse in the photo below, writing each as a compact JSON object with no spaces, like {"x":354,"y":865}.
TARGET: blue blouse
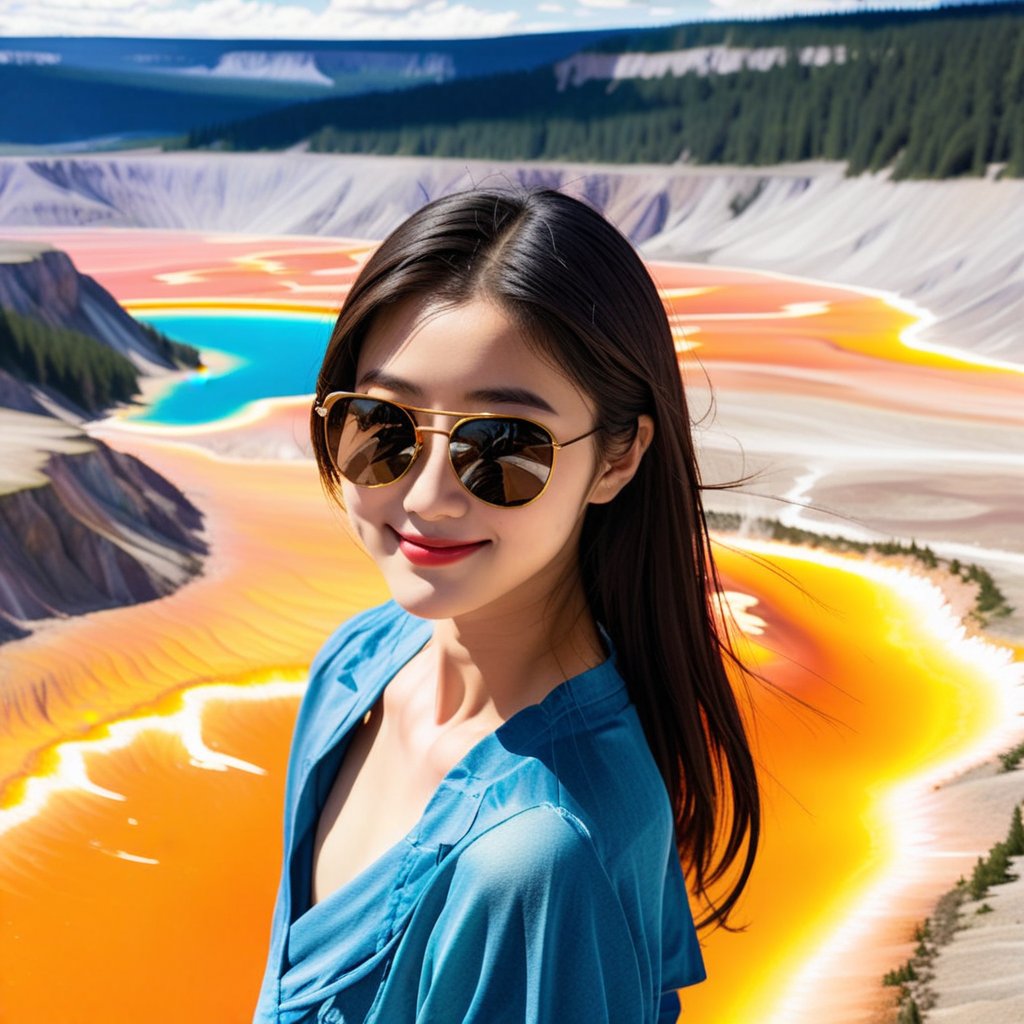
{"x":541,"y":883}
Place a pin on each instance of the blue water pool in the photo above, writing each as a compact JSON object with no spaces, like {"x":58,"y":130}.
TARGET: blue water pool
{"x":273,"y":355}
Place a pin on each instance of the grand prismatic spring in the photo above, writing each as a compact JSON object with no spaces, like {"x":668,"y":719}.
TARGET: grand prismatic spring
{"x":140,"y":806}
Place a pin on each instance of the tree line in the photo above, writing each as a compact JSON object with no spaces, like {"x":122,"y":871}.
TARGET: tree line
{"x":931,"y":94}
{"x":75,"y":365}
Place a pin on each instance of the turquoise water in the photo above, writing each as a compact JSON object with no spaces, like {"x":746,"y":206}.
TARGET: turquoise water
{"x":273,"y":355}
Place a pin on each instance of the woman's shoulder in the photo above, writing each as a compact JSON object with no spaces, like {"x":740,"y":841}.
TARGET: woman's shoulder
{"x":534,"y":843}
{"x":531,"y":839}
{"x":546,"y":859}
{"x":528,"y":863}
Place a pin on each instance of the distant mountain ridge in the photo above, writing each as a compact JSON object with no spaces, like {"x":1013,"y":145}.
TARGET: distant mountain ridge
{"x":932,"y":93}
{"x":61,"y":90}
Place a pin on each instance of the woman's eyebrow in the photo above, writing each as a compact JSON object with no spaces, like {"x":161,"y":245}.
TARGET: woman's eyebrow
{"x":487,"y":396}
{"x":510,"y":396}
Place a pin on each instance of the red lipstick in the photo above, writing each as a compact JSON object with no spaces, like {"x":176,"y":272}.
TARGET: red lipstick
{"x":426,"y":551}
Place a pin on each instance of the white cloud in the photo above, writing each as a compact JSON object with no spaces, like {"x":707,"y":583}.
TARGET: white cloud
{"x":336,"y":7}
{"x":254,"y":19}
{"x":95,"y":8}
{"x":768,"y":8}
{"x":373,"y":19}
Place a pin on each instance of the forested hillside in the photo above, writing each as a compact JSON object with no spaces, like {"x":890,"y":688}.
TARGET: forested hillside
{"x":77,"y":366}
{"x":61,"y":332}
{"x":92,"y":375}
{"x":936,"y":93}
{"x":106,"y":91}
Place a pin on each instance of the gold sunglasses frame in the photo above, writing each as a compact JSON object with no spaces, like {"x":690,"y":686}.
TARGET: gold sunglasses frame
{"x":323,"y":408}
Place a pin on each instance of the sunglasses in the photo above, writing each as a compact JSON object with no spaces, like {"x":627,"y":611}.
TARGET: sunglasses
{"x":504,"y":461}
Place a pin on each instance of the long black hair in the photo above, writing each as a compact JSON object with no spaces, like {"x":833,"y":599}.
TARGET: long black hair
{"x":585,"y":300}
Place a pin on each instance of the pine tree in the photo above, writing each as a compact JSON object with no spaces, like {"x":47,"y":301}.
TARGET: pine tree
{"x":1015,"y":837}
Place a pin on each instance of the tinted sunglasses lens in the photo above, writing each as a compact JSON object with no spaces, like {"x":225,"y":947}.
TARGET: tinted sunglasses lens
{"x":505,"y":462}
{"x":371,"y":442}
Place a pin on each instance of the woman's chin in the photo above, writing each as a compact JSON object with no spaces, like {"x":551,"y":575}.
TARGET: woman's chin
{"x":427,"y":599}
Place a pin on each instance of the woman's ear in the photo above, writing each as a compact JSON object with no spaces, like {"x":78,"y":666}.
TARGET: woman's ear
{"x":615,"y":475}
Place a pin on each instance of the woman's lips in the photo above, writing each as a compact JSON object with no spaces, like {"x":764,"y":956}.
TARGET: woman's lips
{"x":421,"y":551}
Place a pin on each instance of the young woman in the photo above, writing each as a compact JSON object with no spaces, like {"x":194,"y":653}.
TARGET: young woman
{"x":496,"y":777}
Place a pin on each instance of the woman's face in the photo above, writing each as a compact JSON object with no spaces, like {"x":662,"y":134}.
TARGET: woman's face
{"x":469,"y":358}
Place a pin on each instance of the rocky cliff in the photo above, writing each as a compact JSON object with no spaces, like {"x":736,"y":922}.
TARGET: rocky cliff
{"x":42,"y":283}
{"x":82,"y":527}
{"x":719,"y":59}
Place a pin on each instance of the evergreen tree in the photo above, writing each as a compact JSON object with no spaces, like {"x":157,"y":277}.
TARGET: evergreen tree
{"x":1015,"y":837}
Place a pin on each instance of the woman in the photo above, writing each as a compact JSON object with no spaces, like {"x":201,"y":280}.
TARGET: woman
{"x":494,"y":776}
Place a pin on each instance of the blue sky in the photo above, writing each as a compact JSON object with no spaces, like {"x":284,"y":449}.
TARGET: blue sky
{"x":373,"y":19}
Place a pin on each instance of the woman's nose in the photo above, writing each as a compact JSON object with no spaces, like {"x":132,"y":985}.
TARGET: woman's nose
{"x":433,"y":491}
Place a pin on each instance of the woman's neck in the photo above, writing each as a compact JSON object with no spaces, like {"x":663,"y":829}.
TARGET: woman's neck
{"x":490,"y":667}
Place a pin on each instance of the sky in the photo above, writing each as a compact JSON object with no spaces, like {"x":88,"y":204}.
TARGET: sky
{"x":376,"y":19}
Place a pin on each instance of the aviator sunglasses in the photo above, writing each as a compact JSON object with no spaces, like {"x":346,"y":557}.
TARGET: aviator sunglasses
{"x":504,"y":461}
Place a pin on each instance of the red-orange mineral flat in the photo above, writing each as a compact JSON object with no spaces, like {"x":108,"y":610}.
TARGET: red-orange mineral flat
{"x":144,"y":748}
